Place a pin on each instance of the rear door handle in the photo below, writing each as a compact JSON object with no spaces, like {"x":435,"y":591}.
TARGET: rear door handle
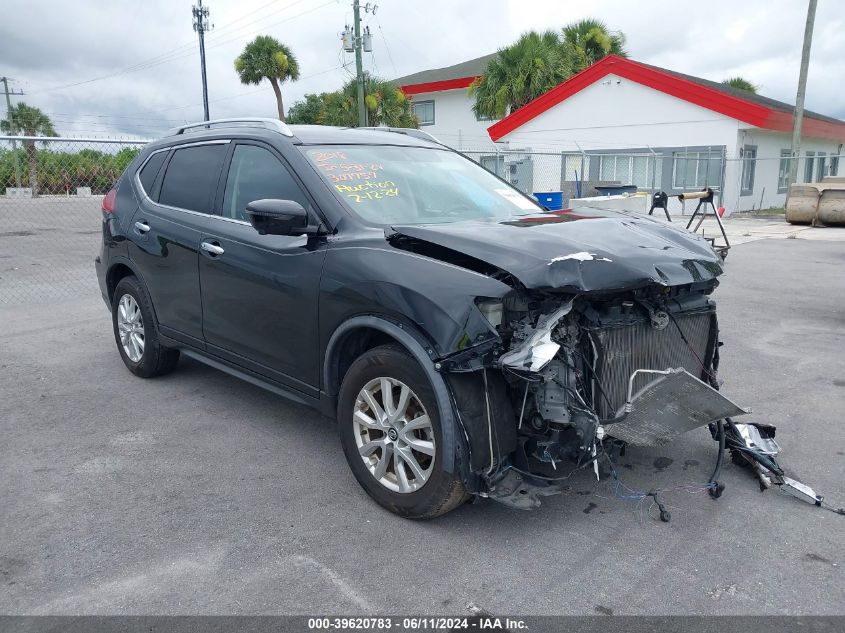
{"x":212,"y":249}
{"x":142,"y":227}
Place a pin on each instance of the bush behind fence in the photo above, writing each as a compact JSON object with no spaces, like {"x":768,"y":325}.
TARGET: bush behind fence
{"x":56,"y":167}
{"x":50,"y":236}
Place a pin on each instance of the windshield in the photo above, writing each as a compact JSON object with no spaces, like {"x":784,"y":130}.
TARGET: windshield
{"x":416,"y":185}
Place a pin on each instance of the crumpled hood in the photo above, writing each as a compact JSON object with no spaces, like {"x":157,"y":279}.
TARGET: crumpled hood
{"x":582,"y":251}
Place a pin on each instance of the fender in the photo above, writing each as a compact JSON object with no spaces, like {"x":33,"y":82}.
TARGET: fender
{"x":416,"y":344}
{"x":115,"y":260}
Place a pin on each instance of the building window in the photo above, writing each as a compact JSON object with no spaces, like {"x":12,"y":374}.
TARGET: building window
{"x":808,"y":167}
{"x":424,"y":111}
{"x":834,"y":165}
{"x":748,"y":154}
{"x":696,"y":170}
{"x":783,"y":170}
{"x":821,"y":162}
{"x":633,"y":169}
{"x":575,"y":167}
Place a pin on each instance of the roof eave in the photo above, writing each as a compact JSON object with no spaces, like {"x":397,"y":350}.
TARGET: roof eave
{"x":438,"y":86}
{"x":698,"y":94}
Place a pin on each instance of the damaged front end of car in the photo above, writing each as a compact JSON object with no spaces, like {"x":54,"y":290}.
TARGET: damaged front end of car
{"x":588,"y":375}
{"x":589,"y":352}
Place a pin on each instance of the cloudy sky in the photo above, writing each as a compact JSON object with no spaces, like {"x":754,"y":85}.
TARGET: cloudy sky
{"x":131,"y":67}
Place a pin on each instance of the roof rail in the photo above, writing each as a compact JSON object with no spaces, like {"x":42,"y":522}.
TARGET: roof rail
{"x":270,"y":124}
{"x":407,"y":131}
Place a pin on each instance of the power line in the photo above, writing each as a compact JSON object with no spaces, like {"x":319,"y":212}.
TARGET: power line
{"x":237,"y":96}
{"x":386,"y":46}
{"x":134,"y":116}
{"x":229,"y":26}
{"x":180,"y":52}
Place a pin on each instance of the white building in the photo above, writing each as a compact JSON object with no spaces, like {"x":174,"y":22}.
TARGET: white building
{"x":642,"y":125}
{"x":444,"y":107}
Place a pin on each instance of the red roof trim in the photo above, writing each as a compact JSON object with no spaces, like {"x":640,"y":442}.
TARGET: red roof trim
{"x":704,"y":96}
{"x":438,"y":86}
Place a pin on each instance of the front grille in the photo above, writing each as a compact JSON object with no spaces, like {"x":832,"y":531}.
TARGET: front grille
{"x":623,"y":350}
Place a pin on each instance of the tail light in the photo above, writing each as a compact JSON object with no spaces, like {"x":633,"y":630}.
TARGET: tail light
{"x":108,"y":201}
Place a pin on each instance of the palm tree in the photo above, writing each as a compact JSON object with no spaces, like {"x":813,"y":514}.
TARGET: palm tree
{"x":741,"y":83}
{"x":591,"y":40}
{"x":519,"y":73}
{"x":388,"y":105}
{"x":29,"y":121}
{"x":267,"y":58}
{"x":385,"y":103}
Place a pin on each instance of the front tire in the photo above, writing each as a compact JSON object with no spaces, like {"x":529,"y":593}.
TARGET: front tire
{"x":391,"y":434}
{"x":135,"y":331}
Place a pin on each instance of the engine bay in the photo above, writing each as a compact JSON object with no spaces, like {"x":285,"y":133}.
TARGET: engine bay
{"x":588,"y":376}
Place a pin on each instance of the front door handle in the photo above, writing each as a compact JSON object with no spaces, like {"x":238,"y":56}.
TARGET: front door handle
{"x":142,"y":227}
{"x":212,"y":249}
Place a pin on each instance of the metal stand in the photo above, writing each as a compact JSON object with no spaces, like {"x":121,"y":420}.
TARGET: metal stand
{"x":660,"y":200}
{"x":705,"y":197}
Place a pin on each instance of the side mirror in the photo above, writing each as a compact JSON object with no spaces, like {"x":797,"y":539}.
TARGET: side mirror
{"x":278,"y":217}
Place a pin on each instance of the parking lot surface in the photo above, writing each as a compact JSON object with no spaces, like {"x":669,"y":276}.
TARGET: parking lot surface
{"x":47,"y":246}
{"x":199,"y":493}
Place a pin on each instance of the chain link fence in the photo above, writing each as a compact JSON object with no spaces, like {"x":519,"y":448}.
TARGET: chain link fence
{"x":51,"y":190}
{"x":746,"y":183}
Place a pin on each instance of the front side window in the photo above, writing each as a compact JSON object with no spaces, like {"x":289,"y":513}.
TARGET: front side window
{"x":424,"y":111}
{"x":256,"y":174}
{"x":416,"y":185}
{"x":191,"y":177}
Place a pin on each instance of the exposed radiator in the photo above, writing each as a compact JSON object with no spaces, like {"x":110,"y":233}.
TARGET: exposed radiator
{"x":623,"y":350}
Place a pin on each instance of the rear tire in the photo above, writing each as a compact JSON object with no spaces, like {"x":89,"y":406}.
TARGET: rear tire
{"x":135,"y":331}
{"x":394,"y":443}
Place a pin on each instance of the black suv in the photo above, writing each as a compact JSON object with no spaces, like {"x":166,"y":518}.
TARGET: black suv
{"x":468,"y":341}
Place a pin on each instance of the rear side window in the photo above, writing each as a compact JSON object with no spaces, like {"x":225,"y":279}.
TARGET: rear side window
{"x":148,"y":173}
{"x":191,"y":177}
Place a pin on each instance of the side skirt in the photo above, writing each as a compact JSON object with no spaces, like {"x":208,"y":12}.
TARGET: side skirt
{"x":322,"y":404}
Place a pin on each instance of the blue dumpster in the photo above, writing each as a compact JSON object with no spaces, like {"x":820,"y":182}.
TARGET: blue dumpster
{"x":552,"y":200}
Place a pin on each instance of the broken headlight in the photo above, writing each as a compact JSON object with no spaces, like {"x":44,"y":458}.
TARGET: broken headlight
{"x":492,"y":309}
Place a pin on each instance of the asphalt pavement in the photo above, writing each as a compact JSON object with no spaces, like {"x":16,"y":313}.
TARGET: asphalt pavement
{"x":197,"y":493}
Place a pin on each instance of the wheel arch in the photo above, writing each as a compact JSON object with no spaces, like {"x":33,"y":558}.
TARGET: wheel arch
{"x":116,"y":273}
{"x":358,"y":334}
{"x":120,"y":268}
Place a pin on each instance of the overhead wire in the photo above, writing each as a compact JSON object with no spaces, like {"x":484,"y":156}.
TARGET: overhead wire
{"x":182,"y":51}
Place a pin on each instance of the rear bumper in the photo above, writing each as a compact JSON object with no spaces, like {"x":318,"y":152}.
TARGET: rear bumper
{"x":100,"y":267}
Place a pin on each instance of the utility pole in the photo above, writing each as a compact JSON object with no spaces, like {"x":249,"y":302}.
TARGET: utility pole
{"x":802,"y":89}
{"x":9,"y":119}
{"x":201,"y":25}
{"x":354,"y":40}
{"x":359,"y":65}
